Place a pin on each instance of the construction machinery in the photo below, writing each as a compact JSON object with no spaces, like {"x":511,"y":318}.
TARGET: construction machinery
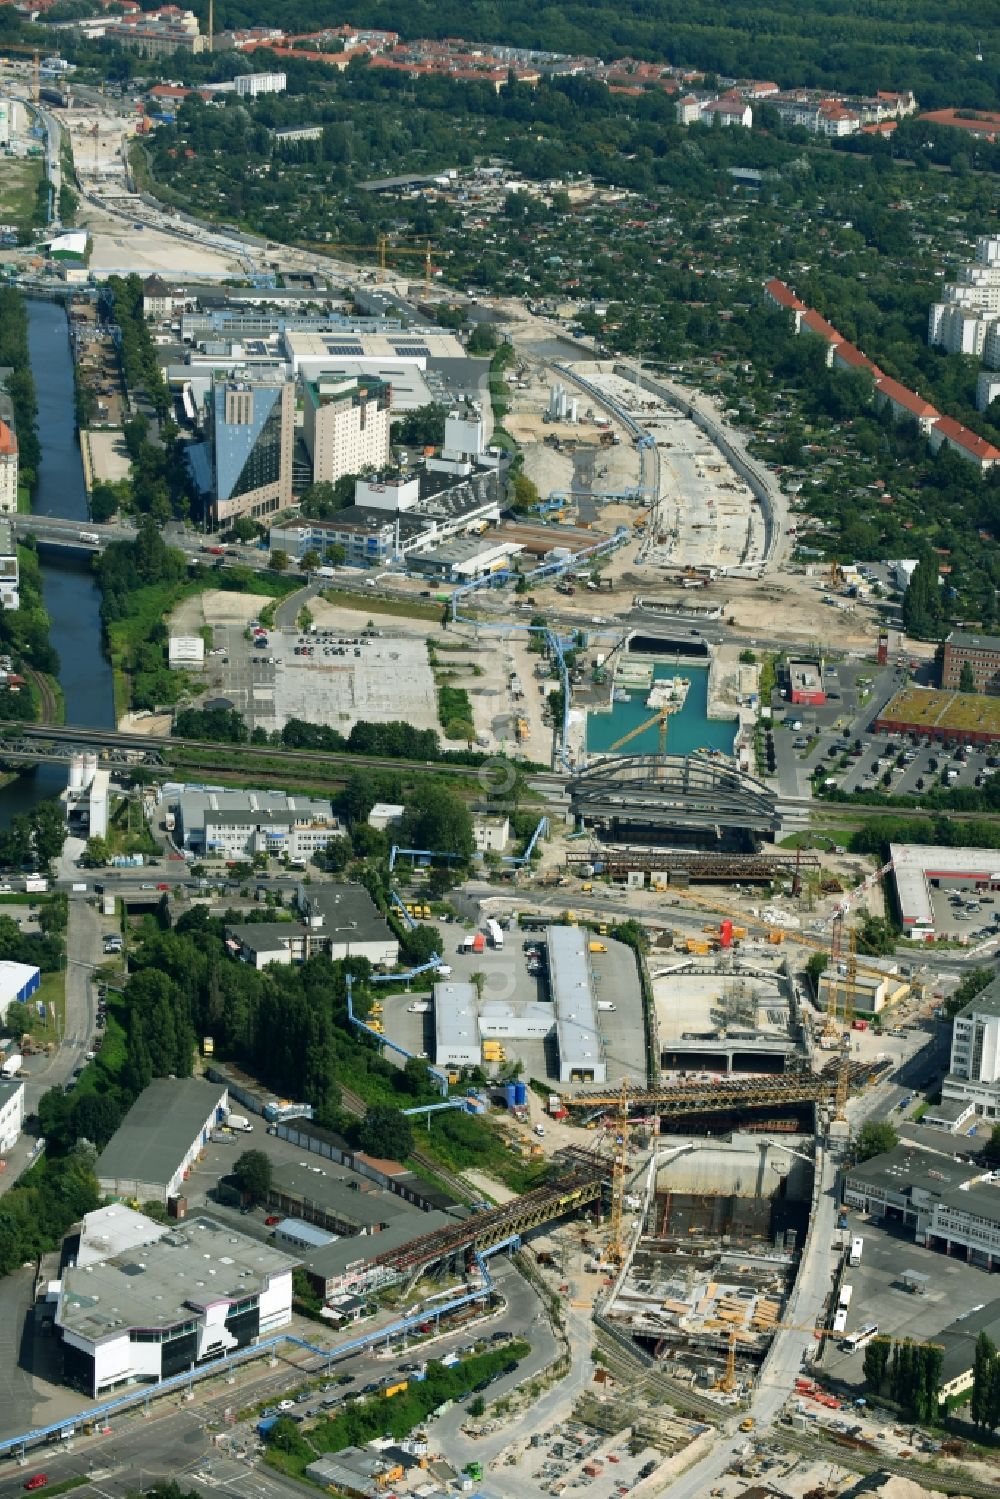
{"x":726,"y":1381}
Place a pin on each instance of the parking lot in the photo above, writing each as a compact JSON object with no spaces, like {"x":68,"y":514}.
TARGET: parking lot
{"x":880,"y":1298}
{"x":329,"y":677}
{"x":513,"y":975}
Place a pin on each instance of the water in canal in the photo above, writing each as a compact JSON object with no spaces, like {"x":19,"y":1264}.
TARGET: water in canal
{"x":689,"y":730}
{"x":71,"y":595}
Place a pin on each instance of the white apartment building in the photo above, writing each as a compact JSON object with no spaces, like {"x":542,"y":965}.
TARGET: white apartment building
{"x":974,"y":1073}
{"x":958,"y":329}
{"x":8,"y":471}
{"x":346,"y":426}
{"x":249,"y":85}
{"x":10,"y":596}
{"x":11,"y":1112}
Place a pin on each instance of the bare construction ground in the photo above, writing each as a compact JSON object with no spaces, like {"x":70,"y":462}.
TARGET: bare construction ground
{"x":109,"y":460}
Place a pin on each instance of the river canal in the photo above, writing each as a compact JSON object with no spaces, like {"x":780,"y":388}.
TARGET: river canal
{"x":72,"y":598}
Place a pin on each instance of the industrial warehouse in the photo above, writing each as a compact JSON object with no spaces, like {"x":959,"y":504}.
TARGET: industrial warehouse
{"x":567,"y":1007}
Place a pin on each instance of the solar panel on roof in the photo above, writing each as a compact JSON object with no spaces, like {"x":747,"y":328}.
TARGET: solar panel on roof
{"x":344,"y":349}
{"x":412,"y":351}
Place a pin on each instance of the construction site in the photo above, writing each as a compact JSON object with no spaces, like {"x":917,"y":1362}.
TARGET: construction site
{"x":716,"y":1258}
{"x":726,"y":1013}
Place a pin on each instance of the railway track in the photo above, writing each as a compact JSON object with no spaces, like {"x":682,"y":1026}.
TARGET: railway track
{"x":464,"y":1190}
{"x":812,"y":1445}
{"x":84,"y":737}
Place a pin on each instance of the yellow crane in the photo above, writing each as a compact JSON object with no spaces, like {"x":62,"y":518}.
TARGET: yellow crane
{"x":727,"y":1379}
{"x":660,"y":718}
{"x":383,"y":248}
{"x":616,"y":1241}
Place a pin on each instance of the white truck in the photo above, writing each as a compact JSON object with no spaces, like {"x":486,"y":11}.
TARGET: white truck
{"x":495,"y":933}
{"x":12,"y":1065}
{"x":240,"y":1123}
{"x":419,"y":1007}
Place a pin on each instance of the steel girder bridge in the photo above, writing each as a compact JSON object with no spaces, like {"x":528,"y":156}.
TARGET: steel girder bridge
{"x":702,"y":794}
{"x":583,"y":1184}
{"x":717,"y":1095}
{"x":695,"y":864}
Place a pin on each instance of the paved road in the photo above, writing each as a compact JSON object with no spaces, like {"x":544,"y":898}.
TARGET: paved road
{"x":83,"y":954}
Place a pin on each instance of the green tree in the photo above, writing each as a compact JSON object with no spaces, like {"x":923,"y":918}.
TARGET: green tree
{"x":310,"y":561}
{"x":875,"y":1137}
{"x":438,"y":820}
{"x":482,"y":340}
{"x":280,"y":560}
{"x":816,"y":966}
{"x":524,"y":492}
{"x":966,"y":680}
{"x":253,"y":1174}
{"x":992,"y":1149}
{"x":876,"y":1363}
{"x":386,"y":1132}
{"x":96,"y":853}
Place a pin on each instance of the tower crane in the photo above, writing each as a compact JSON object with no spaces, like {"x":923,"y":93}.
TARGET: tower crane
{"x":616,"y":1241}
{"x":659,"y":720}
{"x":383,"y":247}
{"x":36,"y":79}
{"x":727,"y":1379}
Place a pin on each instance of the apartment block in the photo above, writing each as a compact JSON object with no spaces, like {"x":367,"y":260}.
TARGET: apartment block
{"x":346,"y":426}
{"x":8,"y":470}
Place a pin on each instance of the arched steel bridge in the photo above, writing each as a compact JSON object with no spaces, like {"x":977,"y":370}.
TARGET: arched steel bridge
{"x":700,"y":793}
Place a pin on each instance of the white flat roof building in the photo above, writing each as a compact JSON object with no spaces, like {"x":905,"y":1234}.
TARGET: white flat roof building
{"x":499,"y":1020}
{"x":581,"y":1054}
{"x":311,"y":352}
{"x":456,"y":1026}
{"x":918,"y":868}
{"x":11,"y":1111}
{"x":158,"y":1304}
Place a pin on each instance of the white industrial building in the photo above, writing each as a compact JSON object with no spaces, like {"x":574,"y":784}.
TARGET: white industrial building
{"x":311,"y":354}
{"x":87,"y":797}
{"x":918,"y":869}
{"x":456,"y":1025}
{"x":160,"y":1301}
{"x":11,"y":1112}
{"x":186,"y":653}
{"x":18,"y":982}
{"x":249,"y":85}
{"x":238,"y":824}
{"x":491,"y":835}
{"x":163,"y":1132}
{"x":581,"y":1052}
{"x":386,"y":815}
{"x":499,"y":1020}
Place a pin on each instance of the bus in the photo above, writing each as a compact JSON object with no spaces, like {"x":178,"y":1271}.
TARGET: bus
{"x":495,"y":934}
{"x":861,"y":1338}
{"x":857,"y":1246}
{"x":846,"y":1292}
{"x":840,"y":1321}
